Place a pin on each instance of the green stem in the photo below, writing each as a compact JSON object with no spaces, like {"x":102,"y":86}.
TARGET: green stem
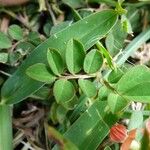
{"x":5,"y":128}
{"x":108,"y":57}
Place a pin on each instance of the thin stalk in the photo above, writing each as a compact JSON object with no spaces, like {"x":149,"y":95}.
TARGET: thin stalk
{"x":108,"y":57}
{"x":51,"y":13}
{"x":20,"y":19}
{"x":78,"y":76}
{"x":5,"y":128}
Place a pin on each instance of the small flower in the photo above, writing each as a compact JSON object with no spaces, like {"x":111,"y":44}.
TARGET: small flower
{"x":118,"y":133}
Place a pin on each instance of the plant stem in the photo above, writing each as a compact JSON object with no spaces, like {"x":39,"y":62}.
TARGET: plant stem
{"x":51,"y":13}
{"x":19,"y":18}
{"x":106,"y":54}
{"x":5,"y":128}
{"x":78,"y":76}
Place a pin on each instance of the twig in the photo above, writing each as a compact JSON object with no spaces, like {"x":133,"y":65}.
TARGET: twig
{"x":145,"y":20}
{"x":5,"y":73}
{"x":18,"y":137}
{"x":51,"y":13}
{"x":4,"y":24}
{"x":14,"y":46}
{"x":19,"y":18}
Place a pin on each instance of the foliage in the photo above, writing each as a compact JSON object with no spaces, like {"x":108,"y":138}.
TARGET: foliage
{"x":76,"y":72}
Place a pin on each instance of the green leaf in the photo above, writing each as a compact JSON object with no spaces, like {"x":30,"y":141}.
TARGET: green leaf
{"x":3,"y":57}
{"x":93,"y":61}
{"x":39,"y":72}
{"x":116,"y":103}
{"x":60,"y":27}
{"x":53,"y":113}
{"x":61,"y":114}
{"x":103,"y":93}
{"x":137,"y":74}
{"x":42,"y":94}
{"x":74,"y":56}
{"x":84,"y":103}
{"x":34,"y":38}
{"x":4,"y":41}
{"x":15,"y":32}
{"x":14,"y":57}
{"x":63,"y":91}
{"x":25,"y":47}
{"x":137,"y":87}
{"x":139,"y":93}
{"x":55,"y":61}
{"x":87,"y":87}
{"x":71,"y":104}
{"x":82,"y":30}
{"x":108,"y":2}
{"x":115,"y":75}
{"x":74,"y":3}
{"x":115,"y":39}
{"x":133,"y":14}
{"x":89,"y":130}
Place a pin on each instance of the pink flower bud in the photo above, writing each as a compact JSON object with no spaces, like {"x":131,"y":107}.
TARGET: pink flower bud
{"x":118,"y":133}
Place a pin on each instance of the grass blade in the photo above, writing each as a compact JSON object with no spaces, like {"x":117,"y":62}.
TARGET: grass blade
{"x":5,"y":128}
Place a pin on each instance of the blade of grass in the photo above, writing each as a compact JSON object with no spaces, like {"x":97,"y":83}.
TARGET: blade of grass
{"x":5,"y":128}
{"x":89,"y":130}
